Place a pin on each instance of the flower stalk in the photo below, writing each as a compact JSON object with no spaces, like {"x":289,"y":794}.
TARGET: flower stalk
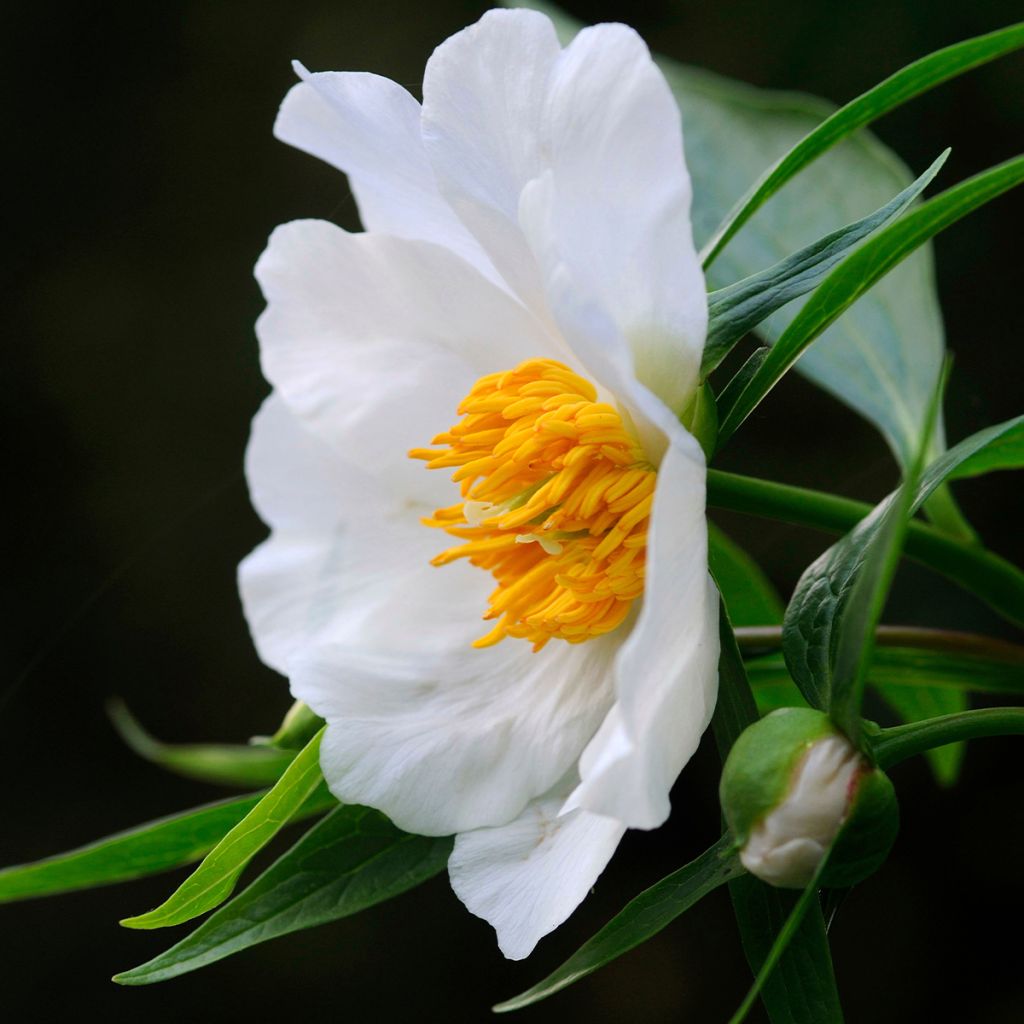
{"x":993,"y":579}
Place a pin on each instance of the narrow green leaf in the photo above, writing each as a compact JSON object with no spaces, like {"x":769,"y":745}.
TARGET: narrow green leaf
{"x":802,"y":989}
{"x":641,"y":919}
{"x":351,"y":860}
{"x":735,"y":310}
{"x":748,"y":594}
{"x":299,"y":726}
{"x":783,"y":937}
{"x":223,"y":764}
{"x":213,"y":881}
{"x":997,"y":447}
{"x":831,"y":620}
{"x":858,"y":272}
{"x":144,"y":850}
{"x":905,"y":84}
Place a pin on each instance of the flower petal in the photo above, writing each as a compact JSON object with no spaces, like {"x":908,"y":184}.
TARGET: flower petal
{"x":615,"y":144}
{"x":373,"y":341}
{"x":528,"y":876}
{"x":505,"y":110}
{"x":666,"y":673}
{"x":483,"y":96}
{"x":345,"y":555}
{"x":369,"y":127}
{"x":446,"y":741}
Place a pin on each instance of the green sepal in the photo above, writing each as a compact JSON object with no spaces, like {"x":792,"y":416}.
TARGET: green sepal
{"x":757,"y":773}
{"x":700,"y":417}
{"x":867,"y":834}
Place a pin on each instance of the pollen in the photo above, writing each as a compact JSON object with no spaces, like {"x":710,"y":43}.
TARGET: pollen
{"x":556,"y":498}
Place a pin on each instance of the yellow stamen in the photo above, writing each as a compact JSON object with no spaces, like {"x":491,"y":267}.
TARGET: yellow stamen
{"x":557,"y":497}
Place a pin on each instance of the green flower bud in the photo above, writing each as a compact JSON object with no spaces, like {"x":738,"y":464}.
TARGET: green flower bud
{"x":791,"y":786}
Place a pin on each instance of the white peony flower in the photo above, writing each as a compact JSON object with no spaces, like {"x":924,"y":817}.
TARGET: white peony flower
{"x":526,"y":313}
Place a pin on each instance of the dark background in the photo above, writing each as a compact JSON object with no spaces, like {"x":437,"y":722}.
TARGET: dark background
{"x":146,"y":183}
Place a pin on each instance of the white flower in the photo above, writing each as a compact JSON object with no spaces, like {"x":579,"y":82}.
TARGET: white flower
{"x":531,"y":216}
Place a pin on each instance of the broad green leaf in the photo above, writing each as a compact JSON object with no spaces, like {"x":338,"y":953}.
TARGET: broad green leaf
{"x":802,"y":989}
{"x":830,"y":624}
{"x":213,"y":881}
{"x":223,"y":764}
{"x":351,"y":860}
{"x":883,"y":355}
{"x":748,"y":594}
{"x":859,"y":272}
{"x":145,"y":850}
{"x":897,"y":89}
{"x":735,"y":310}
{"x":640,"y":920}
{"x":916,"y":703}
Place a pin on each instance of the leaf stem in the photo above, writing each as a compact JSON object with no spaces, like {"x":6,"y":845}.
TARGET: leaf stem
{"x":902,"y":741}
{"x":760,"y":637}
{"x":991,"y":578}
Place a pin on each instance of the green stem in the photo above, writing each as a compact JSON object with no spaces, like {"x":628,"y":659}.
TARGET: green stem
{"x":991,"y":578}
{"x":902,"y":741}
{"x":760,"y":637}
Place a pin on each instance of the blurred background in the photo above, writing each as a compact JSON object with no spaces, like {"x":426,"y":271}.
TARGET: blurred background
{"x":147,"y":181}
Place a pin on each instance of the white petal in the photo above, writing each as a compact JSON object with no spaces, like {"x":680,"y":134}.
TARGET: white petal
{"x":666,"y":673}
{"x":372,"y":341}
{"x":528,"y":876}
{"x":345,"y":555}
{"x":483,"y":96}
{"x":448,"y":741}
{"x":574,"y":157}
{"x":615,"y":144}
{"x":369,"y":127}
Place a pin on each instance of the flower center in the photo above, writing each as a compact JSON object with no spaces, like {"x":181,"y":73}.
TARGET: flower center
{"x":556,"y":500}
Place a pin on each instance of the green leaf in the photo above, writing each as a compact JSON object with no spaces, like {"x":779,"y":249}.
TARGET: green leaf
{"x":808,"y":630}
{"x":994,"y":448}
{"x":735,"y":310}
{"x":223,"y":764}
{"x":859,"y":272}
{"x":830,"y":624}
{"x":641,"y":919}
{"x":802,"y":989}
{"x":213,"y":881}
{"x":351,"y":860}
{"x":145,"y":850}
{"x":748,"y":594}
{"x":916,"y":703}
{"x":784,"y":935}
{"x":905,"y":84}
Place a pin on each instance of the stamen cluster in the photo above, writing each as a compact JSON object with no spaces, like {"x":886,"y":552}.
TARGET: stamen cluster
{"x":556,"y":502}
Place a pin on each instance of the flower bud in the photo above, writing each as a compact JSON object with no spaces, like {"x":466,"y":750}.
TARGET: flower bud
{"x":791,"y":786}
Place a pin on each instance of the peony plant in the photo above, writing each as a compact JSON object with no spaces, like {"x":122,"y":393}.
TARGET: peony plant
{"x":485,"y":464}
